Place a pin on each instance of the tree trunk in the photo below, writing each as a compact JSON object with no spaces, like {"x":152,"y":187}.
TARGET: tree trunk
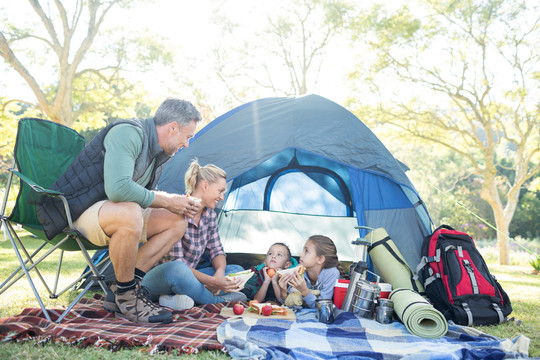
{"x":490,"y":193}
{"x":502,"y":239}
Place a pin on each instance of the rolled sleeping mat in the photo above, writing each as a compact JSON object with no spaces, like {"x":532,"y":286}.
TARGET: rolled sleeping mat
{"x":419,"y":316}
{"x":390,"y":263}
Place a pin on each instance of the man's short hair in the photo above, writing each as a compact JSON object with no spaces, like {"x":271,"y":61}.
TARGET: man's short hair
{"x":181,"y":111}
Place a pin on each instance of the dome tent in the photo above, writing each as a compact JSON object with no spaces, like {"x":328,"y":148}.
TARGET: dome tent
{"x":303,"y":166}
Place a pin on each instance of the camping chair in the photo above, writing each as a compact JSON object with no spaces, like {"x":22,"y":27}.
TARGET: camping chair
{"x":43,"y":150}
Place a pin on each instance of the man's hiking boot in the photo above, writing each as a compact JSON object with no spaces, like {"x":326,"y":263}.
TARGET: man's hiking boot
{"x":135,"y":305}
{"x":109,"y":303}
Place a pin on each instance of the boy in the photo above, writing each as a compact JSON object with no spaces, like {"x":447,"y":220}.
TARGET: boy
{"x":258,"y":287}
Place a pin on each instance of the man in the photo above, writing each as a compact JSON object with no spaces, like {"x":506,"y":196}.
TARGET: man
{"x":110,"y":188}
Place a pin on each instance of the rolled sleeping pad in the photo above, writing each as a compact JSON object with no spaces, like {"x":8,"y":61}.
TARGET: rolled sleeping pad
{"x":390,"y":263}
{"x":418,"y":315}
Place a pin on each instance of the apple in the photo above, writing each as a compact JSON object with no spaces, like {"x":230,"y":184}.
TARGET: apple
{"x":271,"y":272}
{"x":238,"y":309}
{"x":267,"y":310}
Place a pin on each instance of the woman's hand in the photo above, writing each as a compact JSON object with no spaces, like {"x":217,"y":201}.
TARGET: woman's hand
{"x":222,"y":283}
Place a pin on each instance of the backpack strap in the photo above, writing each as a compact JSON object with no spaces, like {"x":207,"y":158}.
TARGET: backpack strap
{"x":468,"y":312}
{"x":496,"y":307}
{"x":426,"y":260}
{"x":432,"y":277}
{"x":384,"y":242}
{"x":470,"y":272}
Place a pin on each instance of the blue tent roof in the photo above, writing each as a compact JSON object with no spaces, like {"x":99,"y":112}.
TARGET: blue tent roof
{"x":316,"y":144}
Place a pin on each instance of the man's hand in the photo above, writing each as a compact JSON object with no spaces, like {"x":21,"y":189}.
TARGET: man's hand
{"x":192,"y":207}
{"x":178,"y":204}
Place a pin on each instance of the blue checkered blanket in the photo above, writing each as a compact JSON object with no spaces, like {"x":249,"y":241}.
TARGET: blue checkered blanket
{"x":352,"y":337}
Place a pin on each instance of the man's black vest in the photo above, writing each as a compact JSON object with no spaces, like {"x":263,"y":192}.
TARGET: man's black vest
{"x":82,"y":183}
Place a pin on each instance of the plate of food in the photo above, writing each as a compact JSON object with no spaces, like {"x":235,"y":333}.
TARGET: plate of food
{"x":259,"y":310}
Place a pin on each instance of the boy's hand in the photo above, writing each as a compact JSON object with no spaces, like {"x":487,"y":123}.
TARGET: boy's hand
{"x":275,"y":278}
{"x":267,"y":278}
{"x":283,"y":282}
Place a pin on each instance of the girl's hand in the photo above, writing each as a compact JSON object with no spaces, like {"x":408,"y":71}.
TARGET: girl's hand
{"x":297,"y":281}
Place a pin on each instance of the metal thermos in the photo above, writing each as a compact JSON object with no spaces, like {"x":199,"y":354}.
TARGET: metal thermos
{"x":356,"y":273}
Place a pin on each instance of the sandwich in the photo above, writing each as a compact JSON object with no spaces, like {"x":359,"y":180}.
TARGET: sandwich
{"x":196,"y":199}
{"x":243,"y":275}
{"x":266,"y":309}
{"x":295,"y":270}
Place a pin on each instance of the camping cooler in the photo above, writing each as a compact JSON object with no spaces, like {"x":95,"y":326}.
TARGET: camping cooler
{"x":340,"y":289}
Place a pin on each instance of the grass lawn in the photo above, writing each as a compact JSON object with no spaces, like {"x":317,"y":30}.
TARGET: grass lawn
{"x":520,"y":283}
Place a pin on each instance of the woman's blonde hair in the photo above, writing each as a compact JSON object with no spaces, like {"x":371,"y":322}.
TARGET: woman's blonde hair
{"x":210,"y":173}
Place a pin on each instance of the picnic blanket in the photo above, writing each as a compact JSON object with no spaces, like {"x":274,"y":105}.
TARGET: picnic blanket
{"x":352,"y":337}
{"x":88,"y":324}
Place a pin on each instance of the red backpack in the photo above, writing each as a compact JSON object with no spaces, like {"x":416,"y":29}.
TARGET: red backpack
{"x":458,"y":282}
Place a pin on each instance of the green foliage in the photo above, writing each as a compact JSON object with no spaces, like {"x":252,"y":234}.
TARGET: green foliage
{"x":11,"y":112}
{"x":443,"y":180}
{"x":460,"y":75}
{"x":78,"y":70}
{"x":535,"y":263}
{"x":526,"y":221}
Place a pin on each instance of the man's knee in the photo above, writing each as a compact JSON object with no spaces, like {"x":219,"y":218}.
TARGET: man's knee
{"x":175,"y":223}
{"x":180,"y":225}
{"x":126,"y":218}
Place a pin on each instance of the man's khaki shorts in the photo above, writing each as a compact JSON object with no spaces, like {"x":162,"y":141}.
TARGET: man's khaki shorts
{"x":88,"y":225}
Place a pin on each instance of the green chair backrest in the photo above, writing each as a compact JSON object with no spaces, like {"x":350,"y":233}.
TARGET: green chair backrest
{"x":43,"y":151}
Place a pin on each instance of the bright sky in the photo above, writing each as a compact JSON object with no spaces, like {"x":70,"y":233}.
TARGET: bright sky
{"x":192,"y":34}
{"x":188,"y":28}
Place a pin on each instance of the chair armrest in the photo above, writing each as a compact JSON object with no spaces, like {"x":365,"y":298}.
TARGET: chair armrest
{"x":52,"y":193}
{"x":34,"y":185}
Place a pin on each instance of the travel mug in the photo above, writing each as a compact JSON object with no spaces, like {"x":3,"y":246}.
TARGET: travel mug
{"x":325,"y":310}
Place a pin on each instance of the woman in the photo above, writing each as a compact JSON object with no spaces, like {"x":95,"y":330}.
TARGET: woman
{"x":177,"y":281}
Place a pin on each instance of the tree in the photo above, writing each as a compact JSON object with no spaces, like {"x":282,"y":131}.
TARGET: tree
{"x":289,"y":50}
{"x":79,"y":80}
{"x":464,"y":74}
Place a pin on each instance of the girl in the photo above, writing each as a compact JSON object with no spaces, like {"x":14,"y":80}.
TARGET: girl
{"x":320,"y":260}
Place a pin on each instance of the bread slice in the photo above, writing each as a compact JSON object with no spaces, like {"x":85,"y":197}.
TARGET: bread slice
{"x":295,"y":270}
{"x":243,"y":275}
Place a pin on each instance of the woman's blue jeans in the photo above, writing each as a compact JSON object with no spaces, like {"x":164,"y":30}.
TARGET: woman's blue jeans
{"x":175,"y":277}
